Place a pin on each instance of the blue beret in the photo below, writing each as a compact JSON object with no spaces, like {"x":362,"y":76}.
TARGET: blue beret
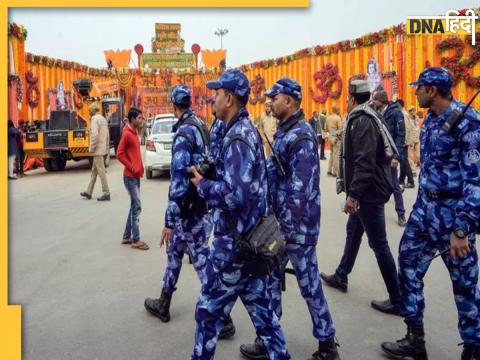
{"x":434,"y":76}
{"x":234,"y":81}
{"x":286,"y":86}
{"x":181,"y":95}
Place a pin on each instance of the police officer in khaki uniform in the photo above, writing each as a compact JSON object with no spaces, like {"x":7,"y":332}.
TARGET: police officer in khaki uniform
{"x":333,"y":128}
{"x":269,"y":126}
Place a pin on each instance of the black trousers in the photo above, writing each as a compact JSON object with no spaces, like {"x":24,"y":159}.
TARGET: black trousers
{"x":321,"y":142}
{"x":19,"y":160}
{"x":370,"y":219}
{"x":405,"y":171}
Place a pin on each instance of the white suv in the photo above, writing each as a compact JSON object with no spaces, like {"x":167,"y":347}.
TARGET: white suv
{"x":159,"y":145}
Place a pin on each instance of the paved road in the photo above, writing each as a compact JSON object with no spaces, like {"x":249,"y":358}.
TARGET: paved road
{"x":82,"y":292}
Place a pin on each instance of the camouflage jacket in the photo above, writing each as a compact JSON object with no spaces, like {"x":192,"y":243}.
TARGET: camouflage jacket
{"x":296,"y":196}
{"x":239,"y":195}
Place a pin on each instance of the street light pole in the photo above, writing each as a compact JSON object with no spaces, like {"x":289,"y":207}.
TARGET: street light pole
{"x":221,"y":33}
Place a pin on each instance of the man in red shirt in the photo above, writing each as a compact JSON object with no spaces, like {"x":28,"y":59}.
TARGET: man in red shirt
{"x":129,"y":154}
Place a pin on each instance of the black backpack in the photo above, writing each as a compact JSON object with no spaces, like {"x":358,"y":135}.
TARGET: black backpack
{"x":193,"y":204}
{"x":202,"y":128}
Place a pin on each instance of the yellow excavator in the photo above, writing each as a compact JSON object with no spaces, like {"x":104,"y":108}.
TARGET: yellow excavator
{"x":67,"y":133}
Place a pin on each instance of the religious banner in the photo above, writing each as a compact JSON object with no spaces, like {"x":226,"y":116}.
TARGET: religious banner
{"x":167,"y":38}
{"x":64,"y":102}
{"x":154,"y":100}
{"x":167,"y":61}
{"x":379,"y":81}
{"x":110,"y":88}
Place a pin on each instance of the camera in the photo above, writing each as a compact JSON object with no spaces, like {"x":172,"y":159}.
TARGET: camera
{"x":206,"y":168}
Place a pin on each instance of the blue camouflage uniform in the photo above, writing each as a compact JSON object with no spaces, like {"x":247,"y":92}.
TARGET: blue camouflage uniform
{"x":395,"y":122}
{"x":239,"y":198}
{"x":217,"y":132}
{"x":448,"y":199}
{"x":190,"y":232}
{"x":296,"y":202}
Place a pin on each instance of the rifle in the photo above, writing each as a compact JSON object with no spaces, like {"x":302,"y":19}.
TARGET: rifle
{"x":457,"y":115}
{"x":433,"y":257}
{"x":276,"y":158}
{"x":441,"y":253}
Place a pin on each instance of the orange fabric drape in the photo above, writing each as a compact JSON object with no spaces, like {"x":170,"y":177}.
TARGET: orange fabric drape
{"x":213,"y":58}
{"x":404,"y":54}
{"x":13,"y":113}
{"x":119,"y":58}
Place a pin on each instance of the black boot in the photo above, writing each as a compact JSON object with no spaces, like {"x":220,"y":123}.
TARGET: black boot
{"x":159,"y":307}
{"x":254,"y":351}
{"x":470,"y":352}
{"x":326,"y":351}
{"x":412,"y":345}
{"x":228,"y":329}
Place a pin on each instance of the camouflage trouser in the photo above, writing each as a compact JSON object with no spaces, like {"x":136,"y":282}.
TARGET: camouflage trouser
{"x":225,"y":282}
{"x":189,"y":235}
{"x":304,"y":262}
{"x":428,"y":230}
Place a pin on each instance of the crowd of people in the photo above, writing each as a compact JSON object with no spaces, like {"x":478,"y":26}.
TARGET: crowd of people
{"x":403,"y":125}
{"x":234,"y":177}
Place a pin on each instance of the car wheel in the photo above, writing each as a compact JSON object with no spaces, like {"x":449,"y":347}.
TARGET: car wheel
{"x":149,"y":174}
{"x":47,"y":164}
{"x":61,"y":163}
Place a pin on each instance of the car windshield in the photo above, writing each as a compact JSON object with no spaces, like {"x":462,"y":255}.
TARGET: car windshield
{"x":112,"y":112}
{"x":163,"y":127}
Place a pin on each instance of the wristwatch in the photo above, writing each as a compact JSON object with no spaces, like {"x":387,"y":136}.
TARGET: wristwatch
{"x":459,"y":232}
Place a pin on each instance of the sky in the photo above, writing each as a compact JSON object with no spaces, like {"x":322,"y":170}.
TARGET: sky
{"x":82,"y":35}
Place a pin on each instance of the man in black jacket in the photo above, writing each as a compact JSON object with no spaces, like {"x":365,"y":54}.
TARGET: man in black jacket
{"x":13,"y":134}
{"x":368,"y":184}
{"x":393,"y":116}
{"x":322,"y":119}
{"x":318,"y":124}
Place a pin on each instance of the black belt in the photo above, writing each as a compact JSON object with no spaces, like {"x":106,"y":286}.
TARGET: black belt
{"x":442,"y":195}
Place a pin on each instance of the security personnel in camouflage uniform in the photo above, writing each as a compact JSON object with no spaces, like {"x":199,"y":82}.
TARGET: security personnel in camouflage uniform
{"x":217,"y":132}
{"x":186,"y":225}
{"x":296,"y":202}
{"x":239,"y":198}
{"x":444,"y":217}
